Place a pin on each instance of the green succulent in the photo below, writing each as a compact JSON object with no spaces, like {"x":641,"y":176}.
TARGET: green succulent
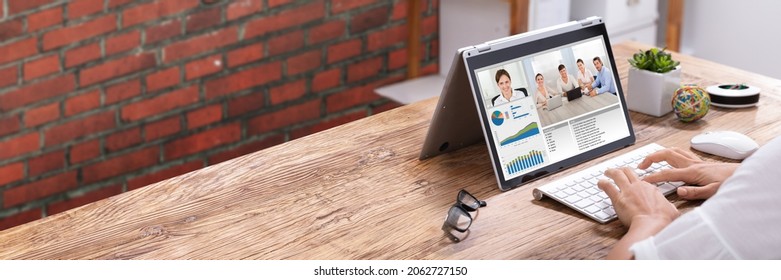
{"x":654,"y":60}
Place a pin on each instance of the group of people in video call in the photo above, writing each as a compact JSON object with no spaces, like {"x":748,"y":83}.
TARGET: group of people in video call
{"x":590,"y":84}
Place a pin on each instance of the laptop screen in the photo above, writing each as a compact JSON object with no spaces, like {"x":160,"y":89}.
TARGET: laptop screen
{"x":533,"y":126}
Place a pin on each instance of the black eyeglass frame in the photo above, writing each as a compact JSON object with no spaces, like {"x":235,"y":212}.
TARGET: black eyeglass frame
{"x":464,"y":209}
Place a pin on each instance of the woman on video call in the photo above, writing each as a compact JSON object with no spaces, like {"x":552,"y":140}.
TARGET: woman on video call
{"x":504,"y":83}
{"x":543,"y":92}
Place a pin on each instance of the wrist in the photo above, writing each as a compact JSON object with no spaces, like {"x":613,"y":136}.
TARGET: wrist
{"x":651,"y":223}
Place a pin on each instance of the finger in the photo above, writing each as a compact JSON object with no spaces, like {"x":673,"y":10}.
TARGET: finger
{"x":630,"y":174}
{"x":618,"y":177}
{"x":675,"y":174}
{"x":609,"y":188}
{"x":671,"y":156}
{"x":696,"y":193}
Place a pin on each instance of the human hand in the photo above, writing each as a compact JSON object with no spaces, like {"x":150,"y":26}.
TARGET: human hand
{"x":634,"y":199}
{"x":592,"y":93}
{"x":689,"y":168}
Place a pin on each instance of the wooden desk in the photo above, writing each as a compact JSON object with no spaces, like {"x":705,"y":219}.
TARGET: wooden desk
{"x":359,"y":192}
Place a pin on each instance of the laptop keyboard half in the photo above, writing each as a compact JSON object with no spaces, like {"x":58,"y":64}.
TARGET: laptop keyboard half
{"x":579,"y":191}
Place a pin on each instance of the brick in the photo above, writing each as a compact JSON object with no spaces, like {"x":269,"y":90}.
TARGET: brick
{"x":167,"y":173}
{"x":326,"y":124}
{"x":327,"y":31}
{"x":117,"y":68}
{"x":303,"y":62}
{"x":203,"y":19}
{"x":246,"y":103}
{"x":84,"y":151}
{"x":287,"y":92}
{"x":123,"y":42}
{"x":123,"y":139}
{"x":397,"y":59}
{"x":41,"y":67}
{"x":200,"y":44}
{"x":42,"y":114}
{"x":429,"y":25}
{"x":285,"y":19}
{"x":245,"y":55}
{"x":20,"y":218}
{"x":203,"y":141}
{"x":9,"y":124}
{"x":344,"y":50}
{"x":204,"y":116}
{"x":202,"y":67}
{"x":241,"y":8}
{"x":163,"y":128}
{"x":81,"y":55}
{"x":80,"y":8}
{"x":364,"y":69}
{"x":116,"y":3}
{"x":162,"y":79}
{"x":120,"y":164}
{"x":286,"y":43}
{"x":82,"y":103}
{"x":351,"y":98}
{"x":9,"y":76}
{"x":432,"y":68}
{"x":276,"y":3}
{"x":385,"y":107}
{"x":36,"y":92}
{"x":370,"y":19}
{"x":160,"y":104}
{"x":326,"y":79}
{"x":247,"y":148}
{"x":118,"y":92}
{"x":18,"y":50}
{"x":386,"y":38}
{"x":163,"y":31}
{"x":46,"y":163}
{"x":155,"y":10}
{"x":83,"y":199}
{"x":17,"y":6}
{"x":79,"y":127}
{"x":285,"y":117}
{"x":10,"y":173}
{"x":400,"y":10}
{"x":10,"y":29}
{"x":338,"y":6}
{"x":244,"y":79}
{"x":40,"y":189}
{"x":67,"y":35}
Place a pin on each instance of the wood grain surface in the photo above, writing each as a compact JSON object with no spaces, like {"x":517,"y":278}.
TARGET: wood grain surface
{"x":358,"y":191}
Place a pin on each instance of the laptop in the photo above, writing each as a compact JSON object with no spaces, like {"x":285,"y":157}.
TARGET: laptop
{"x":521,"y":148}
{"x":574,"y":93}
{"x":554,"y":102}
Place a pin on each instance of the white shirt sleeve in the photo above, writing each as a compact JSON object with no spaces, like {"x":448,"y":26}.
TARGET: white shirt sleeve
{"x":741,"y":221}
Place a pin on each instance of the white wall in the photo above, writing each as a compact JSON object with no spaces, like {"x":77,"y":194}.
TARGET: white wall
{"x":742,"y":34}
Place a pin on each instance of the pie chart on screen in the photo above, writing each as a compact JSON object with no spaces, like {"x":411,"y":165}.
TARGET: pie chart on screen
{"x":497,"y":118}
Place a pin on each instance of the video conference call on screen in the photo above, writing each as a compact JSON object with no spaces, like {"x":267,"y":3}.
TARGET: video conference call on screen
{"x":551,"y":105}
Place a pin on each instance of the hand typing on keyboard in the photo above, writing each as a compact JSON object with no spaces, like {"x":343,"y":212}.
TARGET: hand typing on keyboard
{"x":702,"y":178}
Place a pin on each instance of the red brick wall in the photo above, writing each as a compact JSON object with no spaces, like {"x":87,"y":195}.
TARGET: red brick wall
{"x":99,"y":97}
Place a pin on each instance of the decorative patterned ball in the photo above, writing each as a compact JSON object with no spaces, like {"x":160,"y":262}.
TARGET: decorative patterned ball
{"x":690,"y":103}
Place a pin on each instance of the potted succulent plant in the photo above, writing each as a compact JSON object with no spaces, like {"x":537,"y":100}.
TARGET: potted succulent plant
{"x":653,"y":79}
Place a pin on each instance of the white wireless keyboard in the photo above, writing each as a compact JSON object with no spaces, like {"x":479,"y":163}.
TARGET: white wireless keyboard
{"x":579,"y":191}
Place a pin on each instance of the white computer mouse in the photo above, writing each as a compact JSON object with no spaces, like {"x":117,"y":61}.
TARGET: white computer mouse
{"x":728,"y":144}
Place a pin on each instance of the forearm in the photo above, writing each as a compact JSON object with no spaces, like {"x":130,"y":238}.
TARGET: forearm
{"x":642,"y":227}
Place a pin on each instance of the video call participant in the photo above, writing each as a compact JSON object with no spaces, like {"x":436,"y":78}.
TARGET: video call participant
{"x":505,"y":86}
{"x":543,"y":92}
{"x":604,"y":82}
{"x":565,"y":82}
{"x":585,"y":77}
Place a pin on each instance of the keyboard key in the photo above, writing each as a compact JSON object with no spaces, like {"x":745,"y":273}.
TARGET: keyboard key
{"x":584,"y":203}
{"x":592,"y":191}
{"x":609,"y":211}
{"x":595,"y":198}
{"x":602,"y":204}
{"x":572,"y":199}
{"x":601,"y":215}
{"x":584,"y":194}
{"x":592,"y":209}
{"x":666,"y":188}
{"x":569,"y":191}
{"x":578,"y":188}
{"x":561,"y":195}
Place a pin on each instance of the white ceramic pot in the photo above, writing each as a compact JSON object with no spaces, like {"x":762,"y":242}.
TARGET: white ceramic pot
{"x":650,"y":92}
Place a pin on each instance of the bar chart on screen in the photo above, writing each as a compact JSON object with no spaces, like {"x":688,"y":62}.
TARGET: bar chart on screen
{"x":524,"y":162}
